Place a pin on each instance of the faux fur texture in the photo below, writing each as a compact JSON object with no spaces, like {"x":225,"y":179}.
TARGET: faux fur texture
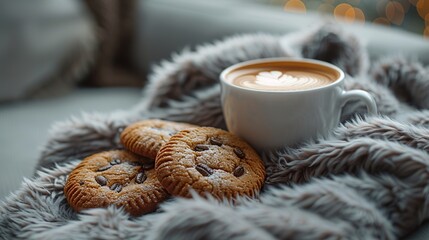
{"x":368,"y":180}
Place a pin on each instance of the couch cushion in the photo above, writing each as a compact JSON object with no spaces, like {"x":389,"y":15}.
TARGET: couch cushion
{"x":192,"y":22}
{"x":24,"y":126}
{"x":44,"y":46}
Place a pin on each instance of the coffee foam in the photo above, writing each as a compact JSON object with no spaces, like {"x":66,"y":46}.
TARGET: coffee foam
{"x":289,"y":77}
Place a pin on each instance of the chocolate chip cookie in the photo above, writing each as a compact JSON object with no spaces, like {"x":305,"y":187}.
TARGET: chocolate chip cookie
{"x":118,"y":178}
{"x":209,"y":160}
{"x":147,"y":137}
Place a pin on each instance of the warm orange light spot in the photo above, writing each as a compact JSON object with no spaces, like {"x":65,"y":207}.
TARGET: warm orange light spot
{"x":395,"y":13}
{"x":381,"y":20}
{"x":340,"y":12}
{"x":426,"y":32}
{"x":295,"y":6}
{"x":345,"y":11}
{"x":325,"y":7}
{"x":427,"y":19}
{"x":359,"y":15}
{"x":341,"y":9}
{"x":350,"y":15}
{"x":422,"y":7}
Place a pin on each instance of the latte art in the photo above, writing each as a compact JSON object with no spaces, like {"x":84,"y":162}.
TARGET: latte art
{"x":288,"y":80}
{"x":282,"y":80}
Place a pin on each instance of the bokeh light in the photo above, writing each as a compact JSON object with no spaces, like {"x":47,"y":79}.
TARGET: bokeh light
{"x":382,"y":21}
{"x":423,"y":8}
{"x":347,"y":12}
{"x":295,"y":6}
{"x":407,"y":14}
{"x":426,"y":32}
{"x":359,"y":15}
{"x":395,"y":12}
{"x":349,"y":15}
{"x":341,"y":10}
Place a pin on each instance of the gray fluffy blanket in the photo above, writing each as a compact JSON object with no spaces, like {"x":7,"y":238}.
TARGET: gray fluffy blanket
{"x":368,"y":180}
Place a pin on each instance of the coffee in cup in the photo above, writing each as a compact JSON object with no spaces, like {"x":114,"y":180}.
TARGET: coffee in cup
{"x":279,"y":102}
{"x":280,"y":77}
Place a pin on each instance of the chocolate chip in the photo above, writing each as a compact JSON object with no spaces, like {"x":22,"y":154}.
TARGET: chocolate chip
{"x":239,"y":171}
{"x":239,"y":153}
{"x":148,"y":165}
{"x":116,"y":187}
{"x":201,"y":147}
{"x":81,"y":182}
{"x":216,"y":141}
{"x":204,"y":169}
{"x":140,"y":177}
{"x":101,"y":180}
{"x":104,"y":168}
{"x":115,"y":162}
{"x":113,"y":186}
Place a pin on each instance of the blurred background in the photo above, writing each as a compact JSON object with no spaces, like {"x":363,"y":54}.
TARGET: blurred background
{"x":411,"y":15}
{"x":59,"y":58}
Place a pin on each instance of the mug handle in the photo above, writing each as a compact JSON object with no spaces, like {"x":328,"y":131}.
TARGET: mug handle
{"x":360,"y":95}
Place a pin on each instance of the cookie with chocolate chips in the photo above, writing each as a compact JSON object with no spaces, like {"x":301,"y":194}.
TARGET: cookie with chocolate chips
{"x":147,"y":137}
{"x":209,"y":160}
{"x":118,"y":178}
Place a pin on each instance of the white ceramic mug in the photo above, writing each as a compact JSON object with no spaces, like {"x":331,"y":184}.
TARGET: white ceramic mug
{"x":271,"y":119}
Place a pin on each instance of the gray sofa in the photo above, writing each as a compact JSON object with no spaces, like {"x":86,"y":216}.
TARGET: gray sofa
{"x":163,"y":27}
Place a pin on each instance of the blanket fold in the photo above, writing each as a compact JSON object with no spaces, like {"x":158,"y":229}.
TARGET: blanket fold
{"x":368,"y":180}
